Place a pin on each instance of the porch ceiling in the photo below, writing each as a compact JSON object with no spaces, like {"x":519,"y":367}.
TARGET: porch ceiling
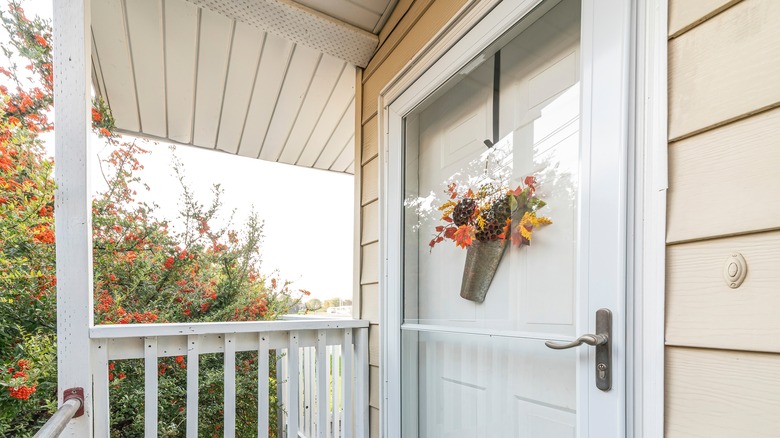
{"x":266,"y":79}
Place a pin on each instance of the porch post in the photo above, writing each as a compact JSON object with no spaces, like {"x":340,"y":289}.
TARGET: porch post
{"x":73,"y":211}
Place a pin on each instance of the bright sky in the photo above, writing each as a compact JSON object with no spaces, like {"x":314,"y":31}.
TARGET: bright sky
{"x":308,"y":213}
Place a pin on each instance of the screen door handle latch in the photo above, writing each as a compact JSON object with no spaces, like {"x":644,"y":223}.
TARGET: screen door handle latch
{"x":602,"y":340}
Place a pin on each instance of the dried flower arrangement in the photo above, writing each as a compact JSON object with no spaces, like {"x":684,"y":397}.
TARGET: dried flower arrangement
{"x":488,"y":214}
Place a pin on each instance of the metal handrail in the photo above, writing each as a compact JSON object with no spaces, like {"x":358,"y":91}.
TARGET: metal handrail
{"x":57,"y":423}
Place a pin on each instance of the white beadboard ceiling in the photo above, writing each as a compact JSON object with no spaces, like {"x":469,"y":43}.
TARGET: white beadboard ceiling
{"x":266,"y":79}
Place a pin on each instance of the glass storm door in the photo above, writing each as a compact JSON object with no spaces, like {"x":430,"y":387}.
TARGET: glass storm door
{"x":518,"y":136}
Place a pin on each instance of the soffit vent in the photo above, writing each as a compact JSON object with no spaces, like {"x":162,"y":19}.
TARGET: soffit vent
{"x":301,"y":25}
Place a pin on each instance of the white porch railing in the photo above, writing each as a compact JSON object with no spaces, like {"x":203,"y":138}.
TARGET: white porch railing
{"x":322,"y":374}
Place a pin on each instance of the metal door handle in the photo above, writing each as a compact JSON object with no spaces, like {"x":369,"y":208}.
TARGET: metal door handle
{"x":603,"y":343}
{"x":584,"y":339}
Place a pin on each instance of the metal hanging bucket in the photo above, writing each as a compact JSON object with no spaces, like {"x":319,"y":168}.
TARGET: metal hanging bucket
{"x":482,"y":259}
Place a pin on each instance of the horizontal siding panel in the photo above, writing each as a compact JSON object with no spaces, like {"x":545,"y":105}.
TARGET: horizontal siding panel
{"x":703,"y":311}
{"x":725,"y":68}
{"x":370,"y":223}
{"x":373,"y":397}
{"x":369,"y":303}
{"x":374,"y":422}
{"x":724,"y":181}
{"x":435,"y":17}
{"x":370,"y":182}
{"x":398,"y":13}
{"x":722,"y":394}
{"x":403,"y":27}
{"x":373,"y":344}
{"x":370,"y":140}
{"x":685,"y":14}
{"x":370,"y":264}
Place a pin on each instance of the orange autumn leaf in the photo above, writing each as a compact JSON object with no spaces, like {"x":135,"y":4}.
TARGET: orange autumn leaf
{"x":449,"y":232}
{"x":463,"y":236}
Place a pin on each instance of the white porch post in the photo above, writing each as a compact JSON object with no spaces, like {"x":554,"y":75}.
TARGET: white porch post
{"x":73,"y":211}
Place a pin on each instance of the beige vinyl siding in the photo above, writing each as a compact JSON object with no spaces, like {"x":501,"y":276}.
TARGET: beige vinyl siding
{"x":412,"y":14}
{"x":369,"y":272}
{"x":370,"y":303}
{"x":398,"y":12}
{"x":414,"y":32}
{"x":410,"y":27}
{"x":721,"y":70}
{"x":685,"y":15}
{"x":702,"y":311}
{"x":370,"y":140}
{"x":722,"y":357}
{"x":713,"y":393}
{"x":370,"y":182}
{"x":370,"y":232}
{"x":739,"y":174}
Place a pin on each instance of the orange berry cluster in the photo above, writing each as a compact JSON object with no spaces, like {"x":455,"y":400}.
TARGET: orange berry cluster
{"x":22,"y":392}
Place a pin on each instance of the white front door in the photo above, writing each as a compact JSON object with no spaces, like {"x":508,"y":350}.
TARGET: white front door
{"x":547,"y":93}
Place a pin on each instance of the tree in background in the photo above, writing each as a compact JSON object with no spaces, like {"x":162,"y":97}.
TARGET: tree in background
{"x":146,"y":270}
{"x":313,"y":305}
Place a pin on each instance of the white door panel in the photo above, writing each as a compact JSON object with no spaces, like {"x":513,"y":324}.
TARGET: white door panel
{"x":482,"y":369}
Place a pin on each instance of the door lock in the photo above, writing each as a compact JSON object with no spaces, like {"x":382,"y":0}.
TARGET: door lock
{"x":602,"y":340}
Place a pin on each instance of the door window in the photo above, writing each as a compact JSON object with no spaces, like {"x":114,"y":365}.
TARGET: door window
{"x":495,"y":151}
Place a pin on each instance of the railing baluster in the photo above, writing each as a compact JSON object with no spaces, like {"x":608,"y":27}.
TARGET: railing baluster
{"x":335,"y":386}
{"x":346,"y":384}
{"x":300,"y":397}
{"x":262,"y":385}
{"x":193,"y":365}
{"x":305,"y":375}
{"x":312,"y":397}
{"x":294,"y":386}
{"x":361,"y":383}
{"x":281,"y":386}
{"x":100,"y":391}
{"x":317,"y":385}
{"x":327,"y":397}
{"x":322,"y":385}
{"x":230,"y":385}
{"x":150,"y":387}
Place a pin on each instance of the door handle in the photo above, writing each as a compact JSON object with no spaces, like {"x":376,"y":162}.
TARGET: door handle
{"x":584,"y":339}
{"x":602,"y":340}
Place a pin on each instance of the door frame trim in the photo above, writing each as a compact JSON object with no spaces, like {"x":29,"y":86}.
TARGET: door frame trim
{"x":648,"y":170}
{"x":646,"y":202}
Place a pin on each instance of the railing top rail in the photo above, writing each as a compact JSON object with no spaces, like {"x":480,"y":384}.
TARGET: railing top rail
{"x":204,"y":328}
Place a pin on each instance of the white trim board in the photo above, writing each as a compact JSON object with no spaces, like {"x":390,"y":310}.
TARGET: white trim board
{"x":647,"y":263}
{"x":646,"y":185}
{"x":73,"y":221}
